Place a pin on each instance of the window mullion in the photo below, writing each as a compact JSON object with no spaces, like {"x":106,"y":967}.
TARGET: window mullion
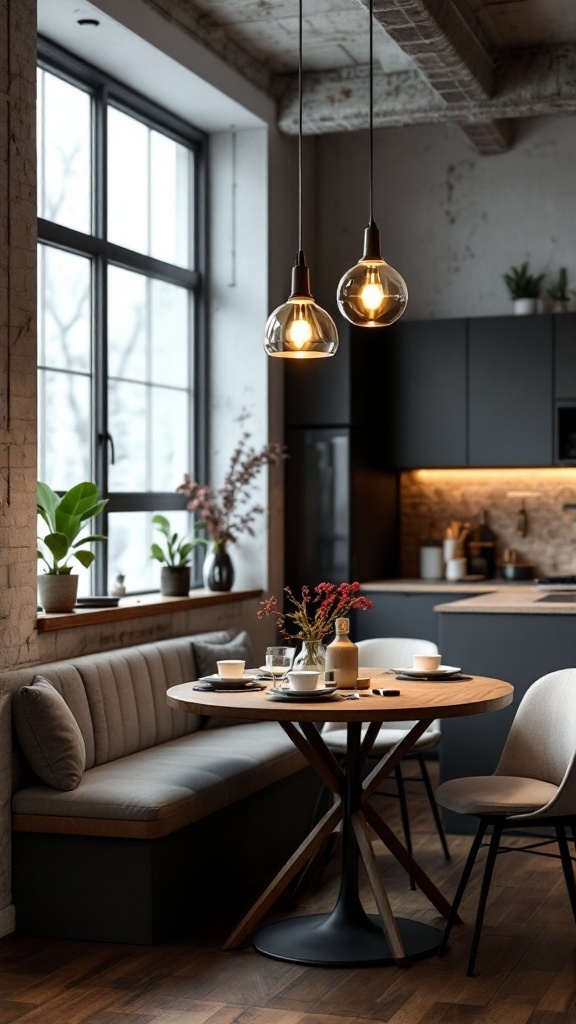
{"x":100,"y":330}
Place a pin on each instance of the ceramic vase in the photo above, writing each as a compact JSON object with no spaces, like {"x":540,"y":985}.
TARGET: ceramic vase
{"x":57,"y":591}
{"x":218,"y":571}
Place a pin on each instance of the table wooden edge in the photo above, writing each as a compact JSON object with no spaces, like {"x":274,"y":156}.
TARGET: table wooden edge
{"x":428,"y":701}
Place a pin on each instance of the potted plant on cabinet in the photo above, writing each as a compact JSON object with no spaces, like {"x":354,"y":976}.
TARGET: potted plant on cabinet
{"x":65,"y":518}
{"x":558,"y":292}
{"x":524,"y":288}
{"x":177,"y":556}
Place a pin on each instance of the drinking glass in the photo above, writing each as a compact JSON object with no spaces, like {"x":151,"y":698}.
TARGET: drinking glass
{"x":279,"y":662}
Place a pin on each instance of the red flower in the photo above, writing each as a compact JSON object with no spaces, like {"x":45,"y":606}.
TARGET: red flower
{"x":331,"y":601}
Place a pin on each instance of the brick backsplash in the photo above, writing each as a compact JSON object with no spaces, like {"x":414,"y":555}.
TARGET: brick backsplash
{"x":431,"y":498}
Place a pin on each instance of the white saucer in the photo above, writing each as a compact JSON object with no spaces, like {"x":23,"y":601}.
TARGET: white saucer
{"x":248,"y":677}
{"x":442,"y":672}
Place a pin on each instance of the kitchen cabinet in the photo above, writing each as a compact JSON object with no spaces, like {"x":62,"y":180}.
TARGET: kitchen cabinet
{"x":345,"y":390}
{"x":403,"y":613}
{"x":565,"y":356}
{"x":565,"y":389}
{"x":510,"y":419}
{"x":426,"y":364}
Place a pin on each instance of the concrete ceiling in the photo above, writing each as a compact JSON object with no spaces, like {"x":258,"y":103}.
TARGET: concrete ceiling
{"x":479,"y":64}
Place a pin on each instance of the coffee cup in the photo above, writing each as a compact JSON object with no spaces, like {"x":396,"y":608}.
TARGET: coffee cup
{"x":426,"y":662}
{"x":305,"y":679}
{"x":230,"y":669}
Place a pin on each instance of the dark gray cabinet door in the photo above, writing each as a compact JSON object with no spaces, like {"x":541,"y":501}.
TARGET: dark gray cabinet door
{"x":427,"y":388}
{"x":510,"y":420}
{"x":565,"y":355}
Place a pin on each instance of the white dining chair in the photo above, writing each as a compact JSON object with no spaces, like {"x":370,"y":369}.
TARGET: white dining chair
{"x":534,"y":783}
{"x":395,"y":652}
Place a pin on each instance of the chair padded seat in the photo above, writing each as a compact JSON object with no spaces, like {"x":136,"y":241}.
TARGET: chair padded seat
{"x":335,"y":740}
{"x":195,"y":775}
{"x":495,"y":794}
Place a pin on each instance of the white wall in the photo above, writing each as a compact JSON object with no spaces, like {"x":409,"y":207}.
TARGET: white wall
{"x":451,"y":221}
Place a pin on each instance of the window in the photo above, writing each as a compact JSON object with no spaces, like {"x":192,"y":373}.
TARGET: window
{"x":120,"y":303}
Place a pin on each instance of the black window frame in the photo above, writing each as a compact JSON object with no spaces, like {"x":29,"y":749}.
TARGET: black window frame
{"x":104,"y":90}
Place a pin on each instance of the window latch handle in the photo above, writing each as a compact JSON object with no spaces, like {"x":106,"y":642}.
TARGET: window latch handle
{"x":107,"y":437}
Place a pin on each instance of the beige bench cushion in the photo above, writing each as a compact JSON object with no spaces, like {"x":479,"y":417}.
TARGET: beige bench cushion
{"x":175,"y":783}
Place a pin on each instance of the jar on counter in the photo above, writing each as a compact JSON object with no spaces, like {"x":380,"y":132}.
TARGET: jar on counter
{"x":431,"y":560}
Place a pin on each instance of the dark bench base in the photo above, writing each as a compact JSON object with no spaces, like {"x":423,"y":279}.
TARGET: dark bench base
{"x":145,"y":891}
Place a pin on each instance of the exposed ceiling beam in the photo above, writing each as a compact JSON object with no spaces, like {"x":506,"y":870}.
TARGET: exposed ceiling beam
{"x":528,"y":83}
{"x":447,"y":50}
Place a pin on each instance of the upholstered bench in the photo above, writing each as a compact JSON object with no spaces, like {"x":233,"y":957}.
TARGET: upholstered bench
{"x":143,"y":819}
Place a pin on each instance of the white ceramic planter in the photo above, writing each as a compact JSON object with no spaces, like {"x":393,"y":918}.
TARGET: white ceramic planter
{"x":57,"y":593}
{"x":523,"y":307}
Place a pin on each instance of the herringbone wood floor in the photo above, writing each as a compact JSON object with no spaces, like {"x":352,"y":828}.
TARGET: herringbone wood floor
{"x":526,"y":971}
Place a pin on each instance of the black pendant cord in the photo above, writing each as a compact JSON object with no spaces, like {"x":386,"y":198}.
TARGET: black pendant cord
{"x":371,"y":8}
{"x":300,"y":128}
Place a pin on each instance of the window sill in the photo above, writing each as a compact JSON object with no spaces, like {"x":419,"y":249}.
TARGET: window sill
{"x":139,"y":607}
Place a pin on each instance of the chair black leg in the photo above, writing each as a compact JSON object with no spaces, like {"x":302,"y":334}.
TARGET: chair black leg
{"x":485,"y":888}
{"x":464,"y":879}
{"x":404,"y":813}
{"x":567,"y":866}
{"x":433,"y":805}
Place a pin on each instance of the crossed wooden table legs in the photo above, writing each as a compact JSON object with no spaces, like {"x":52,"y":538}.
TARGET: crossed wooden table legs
{"x":347,"y":936}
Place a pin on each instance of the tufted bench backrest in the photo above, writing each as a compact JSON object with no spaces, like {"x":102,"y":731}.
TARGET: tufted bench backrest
{"x":118,"y":698}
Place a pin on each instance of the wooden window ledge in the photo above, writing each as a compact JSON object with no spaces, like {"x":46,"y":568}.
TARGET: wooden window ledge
{"x":139,"y":607}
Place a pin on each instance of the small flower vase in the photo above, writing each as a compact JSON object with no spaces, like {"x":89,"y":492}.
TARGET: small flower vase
{"x":312,"y":655}
{"x":218,"y":571}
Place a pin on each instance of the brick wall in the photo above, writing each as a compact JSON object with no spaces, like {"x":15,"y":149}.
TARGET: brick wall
{"x":17,"y":332}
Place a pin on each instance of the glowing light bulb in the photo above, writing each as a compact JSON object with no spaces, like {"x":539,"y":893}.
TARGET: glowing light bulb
{"x":372,"y":296}
{"x":299,"y":331}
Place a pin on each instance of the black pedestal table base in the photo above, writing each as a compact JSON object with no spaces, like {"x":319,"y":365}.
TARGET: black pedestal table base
{"x":319,"y":941}
{"x":347,"y":936}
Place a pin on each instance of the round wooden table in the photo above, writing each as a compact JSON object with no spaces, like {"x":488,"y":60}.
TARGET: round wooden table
{"x":348,"y":936}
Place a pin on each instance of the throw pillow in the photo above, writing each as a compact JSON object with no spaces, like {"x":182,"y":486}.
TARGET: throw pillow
{"x":206,"y":655}
{"x":49,"y":735}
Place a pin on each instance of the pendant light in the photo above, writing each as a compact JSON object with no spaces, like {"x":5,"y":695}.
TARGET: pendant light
{"x":372,"y":294}
{"x":300,"y":329}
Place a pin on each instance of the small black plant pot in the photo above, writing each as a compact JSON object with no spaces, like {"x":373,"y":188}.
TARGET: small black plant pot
{"x":175,"y":580}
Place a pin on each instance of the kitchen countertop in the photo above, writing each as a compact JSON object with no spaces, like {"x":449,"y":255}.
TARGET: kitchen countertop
{"x":417,"y":586}
{"x":486,"y":597}
{"x":522,"y":600}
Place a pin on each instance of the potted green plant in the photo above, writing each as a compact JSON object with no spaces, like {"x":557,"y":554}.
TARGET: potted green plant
{"x":65,"y":518}
{"x":176,"y":553}
{"x":558,"y":292}
{"x":524,"y":288}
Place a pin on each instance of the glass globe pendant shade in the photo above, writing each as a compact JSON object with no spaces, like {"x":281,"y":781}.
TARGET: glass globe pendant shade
{"x":300,"y":329}
{"x":372,"y":294}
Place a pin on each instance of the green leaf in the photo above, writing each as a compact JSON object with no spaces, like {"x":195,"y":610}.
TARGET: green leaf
{"x":47,"y":501}
{"x":80,"y":503}
{"x":162,"y":523}
{"x":85,"y":557}
{"x":88,"y":540}
{"x":94,"y":511}
{"x":156,"y":552}
{"x":57,"y":544}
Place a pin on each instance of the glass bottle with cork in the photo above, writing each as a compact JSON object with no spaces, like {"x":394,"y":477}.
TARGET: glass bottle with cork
{"x":342,"y":657}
